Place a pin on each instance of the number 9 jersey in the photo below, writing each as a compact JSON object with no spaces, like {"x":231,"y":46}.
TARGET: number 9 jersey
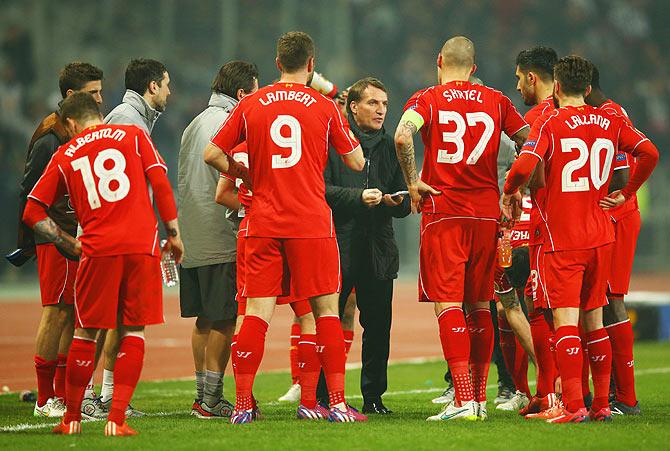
{"x":577,"y":146}
{"x":103,"y":169}
{"x":461,"y":137}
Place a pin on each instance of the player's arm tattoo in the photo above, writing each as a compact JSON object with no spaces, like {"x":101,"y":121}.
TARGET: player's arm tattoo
{"x":50,"y":230}
{"x":171,"y":231}
{"x":520,"y":137}
{"x":404,"y":147}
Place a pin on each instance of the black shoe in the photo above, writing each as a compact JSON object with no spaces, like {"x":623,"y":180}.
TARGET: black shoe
{"x":376,"y":407}
{"x":620,"y":408}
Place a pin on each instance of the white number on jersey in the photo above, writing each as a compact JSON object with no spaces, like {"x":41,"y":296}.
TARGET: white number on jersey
{"x":105,"y":176}
{"x":292,"y":141}
{"x":243,"y":159}
{"x":456,"y":137}
{"x":598,"y":175}
{"x":526,"y":205}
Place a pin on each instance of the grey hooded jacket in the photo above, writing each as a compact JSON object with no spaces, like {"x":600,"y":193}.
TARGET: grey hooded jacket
{"x":133,"y":110}
{"x":208,"y":236}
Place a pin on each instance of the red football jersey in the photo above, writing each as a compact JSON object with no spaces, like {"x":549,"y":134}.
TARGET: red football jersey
{"x":288,"y":128}
{"x":520,"y":231}
{"x":622,"y":160}
{"x":577,"y":146}
{"x":461,"y":137}
{"x":535,"y":225}
{"x":241,"y":155}
{"x":103,"y":169}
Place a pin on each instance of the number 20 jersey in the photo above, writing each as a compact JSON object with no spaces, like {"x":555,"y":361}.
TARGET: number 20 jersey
{"x":103,"y":169}
{"x":288,"y":128}
{"x":461,"y":137}
{"x":577,"y":145}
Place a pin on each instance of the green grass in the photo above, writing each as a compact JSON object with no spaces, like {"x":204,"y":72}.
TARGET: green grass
{"x":411,"y":388}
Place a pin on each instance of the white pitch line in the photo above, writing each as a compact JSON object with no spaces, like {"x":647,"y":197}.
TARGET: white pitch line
{"x":29,"y":426}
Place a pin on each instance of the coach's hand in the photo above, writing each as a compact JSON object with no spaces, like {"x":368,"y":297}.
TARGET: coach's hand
{"x":392,"y":201}
{"x":511,"y":205}
{"x":416,"y":193}
{"x":371,"y":197}
{"x":173,"y":244}
{"x":613,"y":199}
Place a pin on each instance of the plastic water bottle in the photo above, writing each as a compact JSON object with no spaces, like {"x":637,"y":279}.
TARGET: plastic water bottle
{"x":505,"y":248}
{"x":168,"y":268}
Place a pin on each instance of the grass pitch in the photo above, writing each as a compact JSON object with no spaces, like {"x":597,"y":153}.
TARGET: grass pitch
{"x":412,"y":386}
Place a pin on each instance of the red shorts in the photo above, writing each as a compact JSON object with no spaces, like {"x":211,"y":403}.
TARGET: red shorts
{"x":56,"y":274}
{"x":456,"y":259}
{"x":125,"y":286}
{"x":577,"y":278}
{"x":303,"y":267}
{"x":534,"y":286}
{"x":626,"y":231}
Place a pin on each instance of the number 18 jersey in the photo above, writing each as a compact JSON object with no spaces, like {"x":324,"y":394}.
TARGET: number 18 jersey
{"x":103,"y":169}
{"x":461,"y":137}
{"x":577,"y":145}
{"x":288,"y":128}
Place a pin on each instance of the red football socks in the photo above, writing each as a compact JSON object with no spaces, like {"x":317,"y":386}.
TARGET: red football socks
{"x":480,"y":328}
{"x":621,"y":339}
{"x":129,"y":362}
{"x":514,"y":355}
{"x":569,"y":357}
{"x":456,"y":348}
{"x":309,"y":370}
{"x":330,"y":349}
{"x":544,"y":356}
{"x":45,"y":369}
{"x":293,"y":352}
{"x":600,"y":357}
{"x":80,"y":367}
{"x":59,"y":377}
{"x":249,"y":353}
{"x":233,"y":355}
{"x":348,"y":340}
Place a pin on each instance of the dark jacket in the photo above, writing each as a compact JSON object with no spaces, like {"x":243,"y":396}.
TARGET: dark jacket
{"x":362,"y":232}
{"x":50,"y":134}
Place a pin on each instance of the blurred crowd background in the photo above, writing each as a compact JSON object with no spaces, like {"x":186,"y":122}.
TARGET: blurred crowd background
{"x":396,"y":41}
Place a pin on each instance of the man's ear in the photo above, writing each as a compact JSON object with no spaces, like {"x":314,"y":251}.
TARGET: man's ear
{"x":557,"y":88}
{"x":310,"y":65}
{"x":152,"y":87}
{"x":354,"y":107}
{"x":532,"y":78}
{"x":439,"y":60}
{"x":240,"y":93}
{"x":71,"y":126}
{"x":588,"y":91}
{"x":278,"y":64}
{"x":69,"y":92}
{"x":473,"y":70}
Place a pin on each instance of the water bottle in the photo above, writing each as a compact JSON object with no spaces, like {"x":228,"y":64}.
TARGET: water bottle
{"x":505,"y":248}
{"x":168,"y":267}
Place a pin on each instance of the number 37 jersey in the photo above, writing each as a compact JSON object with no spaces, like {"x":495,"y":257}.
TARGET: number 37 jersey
{"x":577,"y":145}
{"x":103,"y":169}
{"x":461,"y":137}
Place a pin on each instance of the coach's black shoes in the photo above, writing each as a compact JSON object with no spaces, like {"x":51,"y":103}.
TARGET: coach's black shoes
{"x":376,"y":407}
{"x":621,"y":408}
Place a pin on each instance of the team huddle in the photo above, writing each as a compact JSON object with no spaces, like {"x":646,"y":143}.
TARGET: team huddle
{"x":568,"y":204}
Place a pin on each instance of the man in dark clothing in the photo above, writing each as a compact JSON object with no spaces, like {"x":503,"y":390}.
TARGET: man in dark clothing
{"x":363,"y":205}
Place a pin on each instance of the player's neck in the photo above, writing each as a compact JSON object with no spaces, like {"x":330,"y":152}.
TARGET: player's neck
{"x":449,"y":76}
{"x":571,"y":101}
{"x":297,"y":77}
{"x":542,"y":91}
{"x":88,"y":124}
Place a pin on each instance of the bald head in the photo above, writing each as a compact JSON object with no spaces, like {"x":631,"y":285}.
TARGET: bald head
{"x":458,"y":52}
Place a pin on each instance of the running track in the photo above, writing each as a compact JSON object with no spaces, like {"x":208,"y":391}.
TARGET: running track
{"x":414,"y":334}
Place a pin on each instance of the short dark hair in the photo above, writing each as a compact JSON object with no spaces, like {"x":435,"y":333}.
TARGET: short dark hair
{"x":356,"y":90}
{"x":80,"y":106}
{"x":540,"y":60}
{"x":574,"y":74}
{"x":141,"y":71}
{"x":233,"y":76}
{"x":75,"y":75}
{"x":595,"y":78}
{"x":294,"y":49}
